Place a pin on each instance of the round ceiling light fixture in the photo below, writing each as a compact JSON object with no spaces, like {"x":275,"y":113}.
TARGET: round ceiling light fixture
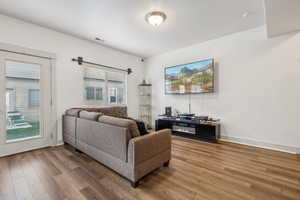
{"x":155,"y":18}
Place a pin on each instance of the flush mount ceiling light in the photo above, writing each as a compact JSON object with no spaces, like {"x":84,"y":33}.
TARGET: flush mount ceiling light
{"x":155,"y":18}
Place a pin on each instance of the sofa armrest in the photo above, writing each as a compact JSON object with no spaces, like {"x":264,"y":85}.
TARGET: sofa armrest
{"x":146,"y":147}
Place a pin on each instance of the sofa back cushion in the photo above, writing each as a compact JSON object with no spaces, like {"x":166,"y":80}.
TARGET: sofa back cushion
{"x":114,"y":111}
{"x":126,"y":123}
{"x":73,"y":112}
{"x":89,"y":115}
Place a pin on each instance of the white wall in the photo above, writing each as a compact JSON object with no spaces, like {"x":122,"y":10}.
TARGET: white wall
{"x":258,"y":87}
{"x":69,"y":77}
{"x":282,"y":16}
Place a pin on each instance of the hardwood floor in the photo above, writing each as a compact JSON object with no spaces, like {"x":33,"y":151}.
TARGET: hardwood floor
{"x":198,"y":170}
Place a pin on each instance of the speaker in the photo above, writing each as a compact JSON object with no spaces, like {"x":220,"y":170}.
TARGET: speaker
{"x":169,"y":111}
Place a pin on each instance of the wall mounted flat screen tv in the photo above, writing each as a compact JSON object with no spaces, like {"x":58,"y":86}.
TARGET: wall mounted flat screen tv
{"x":191,"y":78}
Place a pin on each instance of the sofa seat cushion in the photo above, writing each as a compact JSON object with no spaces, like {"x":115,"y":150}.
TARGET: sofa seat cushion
{"x":89,"y":115}
{"x":73,"y":112}
{"x":127,"y":123}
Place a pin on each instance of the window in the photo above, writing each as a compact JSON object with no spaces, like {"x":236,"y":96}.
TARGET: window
{"x":99,"y":95}
{"x":90,"y":93}
{"x":103,"y":87}
{"x":93,"y":93}
{"x":10,"y":99}
{"x":112,"y":95}
{"x":117,"y":88}
{"x":120,"y":95}
{"x":33,"y":98}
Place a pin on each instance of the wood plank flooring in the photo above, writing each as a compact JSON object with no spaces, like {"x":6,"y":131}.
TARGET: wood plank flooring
{"x":198,"y":170}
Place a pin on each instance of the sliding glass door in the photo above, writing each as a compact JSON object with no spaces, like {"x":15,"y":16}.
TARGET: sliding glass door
{"x":25,"y":103}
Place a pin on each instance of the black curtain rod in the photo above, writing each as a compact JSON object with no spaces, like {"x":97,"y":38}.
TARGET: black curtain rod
{"x":81,"y":61}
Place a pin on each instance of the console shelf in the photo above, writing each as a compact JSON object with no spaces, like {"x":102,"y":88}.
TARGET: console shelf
{"x":209,"y":132}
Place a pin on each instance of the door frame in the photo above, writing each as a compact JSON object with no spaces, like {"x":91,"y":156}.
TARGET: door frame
{"x":53,"y":103}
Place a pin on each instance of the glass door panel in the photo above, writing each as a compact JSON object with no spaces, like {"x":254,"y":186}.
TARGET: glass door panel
{"x":22,"y":100}
{"x":26,"y":120}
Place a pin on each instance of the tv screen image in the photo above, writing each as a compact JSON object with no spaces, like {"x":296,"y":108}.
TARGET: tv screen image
{"x":191,"y":78}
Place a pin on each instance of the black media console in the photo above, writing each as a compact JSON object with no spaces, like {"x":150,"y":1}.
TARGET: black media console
{"x":201,"y":130}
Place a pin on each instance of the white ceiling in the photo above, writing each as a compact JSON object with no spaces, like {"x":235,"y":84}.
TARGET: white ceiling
{"x":121,"y":22}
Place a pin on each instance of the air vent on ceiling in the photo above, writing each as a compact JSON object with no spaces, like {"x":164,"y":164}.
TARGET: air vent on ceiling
{"x":99,"y":39}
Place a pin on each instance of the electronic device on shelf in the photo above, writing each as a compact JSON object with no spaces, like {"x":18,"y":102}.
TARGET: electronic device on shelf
{"x":186,"y":116}
{"x":168,"y":111}
{"x":202,"y":118}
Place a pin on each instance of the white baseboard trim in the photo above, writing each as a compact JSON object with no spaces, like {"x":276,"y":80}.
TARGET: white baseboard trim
{"x":59,"y":143}
{"x":7,"y":153}
{"x":265,"y":145}
{"x":3,"y":153}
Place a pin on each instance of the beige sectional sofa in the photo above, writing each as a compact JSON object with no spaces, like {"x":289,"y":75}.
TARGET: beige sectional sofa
{"x":116,"y":142}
